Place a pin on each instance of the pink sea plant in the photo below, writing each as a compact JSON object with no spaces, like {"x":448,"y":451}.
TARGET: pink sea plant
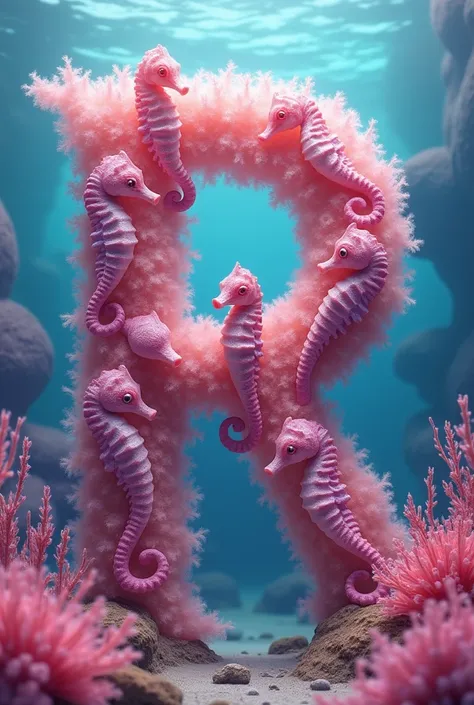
{"x":38,"y":540}
{"x":433,"y":666}
{"x":50,"y":646}
{"x":442,"y":548}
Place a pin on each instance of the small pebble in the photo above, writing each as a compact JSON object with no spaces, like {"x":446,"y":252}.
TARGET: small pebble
{"x":266,"y":674}
{"x":274,"y":686}
{"x":244,"y":652}
{"x":266,"y":703}
{"x":281,"y":673}
{"x":220,"y":702}
{"x":253,"y":692}
{"x":320,"y":684}
{"x":232,"y":673}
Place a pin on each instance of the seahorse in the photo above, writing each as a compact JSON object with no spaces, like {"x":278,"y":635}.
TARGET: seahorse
{"x":325,"y":497}
{"x":159,"y":122}
{"x":326,"y":153}
{"x":122,"y":451}
{"x":113,"y":234}
{"x":346,"y":302}
{"x":242,"y":341}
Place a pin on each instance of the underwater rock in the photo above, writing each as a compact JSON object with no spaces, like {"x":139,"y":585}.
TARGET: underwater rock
{"x":423,"y":357}
{"x":218,"y":590}
{"x":433,"y":198}
{"x":142,"y":688}
{"x":26,"y":358}
{"x":469,"y":17}
{"x":282,"y":596}
{"x":49,"y":446}
{"x":462,"y":143}
{"x":460,"y":377}
{"x":8,"y":253}
{"x":232,"y":674}
{"x":288,"y":645}
{"x":159,"y":652}
{"x":343,"y":638}
{"x":447,"y":18}
{"x":452,"y":73}
{"x":234,"y":634}
{"x":320,"y":684}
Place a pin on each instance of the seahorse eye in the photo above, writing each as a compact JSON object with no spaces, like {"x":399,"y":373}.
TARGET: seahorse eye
{"x":131,"y":183}
{"x":291,"y":450}
{"x":242,"y":290}
{"x":343,"y":252}
{"x":281,"y":114}
{"x":163,"y":71}
{"x":127,"y":398}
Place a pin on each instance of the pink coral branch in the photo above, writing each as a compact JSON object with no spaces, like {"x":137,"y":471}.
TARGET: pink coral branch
{"x":443,"y":548}
{"x":8,"y":444}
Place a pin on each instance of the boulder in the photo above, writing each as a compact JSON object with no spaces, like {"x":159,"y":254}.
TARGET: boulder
{"x":142,"y":688}
{"x":462,"y":135}
{"x":447,"y":18}
{"x":8,"y":253}
{"x":343,"y":638}
{"x":288,"y":645}
{"x":218,"y":590}
{"x":282,"y":596}
{"x":26,"y":358}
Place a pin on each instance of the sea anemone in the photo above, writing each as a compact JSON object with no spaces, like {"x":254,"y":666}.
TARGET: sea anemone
{"x":433,"y":666}
{"x":51,"y":647}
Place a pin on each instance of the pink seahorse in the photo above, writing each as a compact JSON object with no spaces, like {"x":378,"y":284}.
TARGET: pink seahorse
{"x":242,"y":341}
{"x":346,"y":302}
{"x":113,"y":234}
{"x":159,"y":122}
{"x":326,"y":153}
{"x":123,"y":452}
{"x":324,"y":496}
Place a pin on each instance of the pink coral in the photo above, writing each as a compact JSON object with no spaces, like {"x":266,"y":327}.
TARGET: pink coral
{"x":51,"y":647}
{"x":221,"y":117}
{"x":433,"y":666}
{"x":38,"y":539}
{"x":441,"y":548}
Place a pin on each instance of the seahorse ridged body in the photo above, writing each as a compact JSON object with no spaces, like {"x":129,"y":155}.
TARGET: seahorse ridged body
{"x":159,"y":123}
{"x":326,"y":153}
{"x":123,"y":452}
{"x":346,"y":302}
{"x":324,"y":496}
{"x":242,"y":341}
{"x":113,"y":235}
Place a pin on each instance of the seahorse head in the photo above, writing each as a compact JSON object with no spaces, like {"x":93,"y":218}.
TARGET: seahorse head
{"x":119,"y":393}
{"x":353,"y":250}
{"x":239,"y":288}
{"x":158,"y":68}
{"x":286,"y":112}
{"x":299,"y":440}
{"x":121,"y":177}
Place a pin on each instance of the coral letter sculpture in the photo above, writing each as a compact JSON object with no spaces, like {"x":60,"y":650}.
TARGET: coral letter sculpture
{"x":324,"y":496}
{"x":346,"y":302}
{"x":221,"y":116}
{"x":242,"y":341}
{"x":112,"y":233}
{"x":159,"y":120}
{"x":325,"y":152}
{"x":122,"y":451}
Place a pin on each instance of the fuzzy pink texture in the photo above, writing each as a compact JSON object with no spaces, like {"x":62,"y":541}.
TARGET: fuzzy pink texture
{"x":222,"y":116}
{"x":433,"y":666}
{"x":52,"y":647}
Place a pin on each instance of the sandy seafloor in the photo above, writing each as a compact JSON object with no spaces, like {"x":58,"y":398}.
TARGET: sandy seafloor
{"x":196,"y":680}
